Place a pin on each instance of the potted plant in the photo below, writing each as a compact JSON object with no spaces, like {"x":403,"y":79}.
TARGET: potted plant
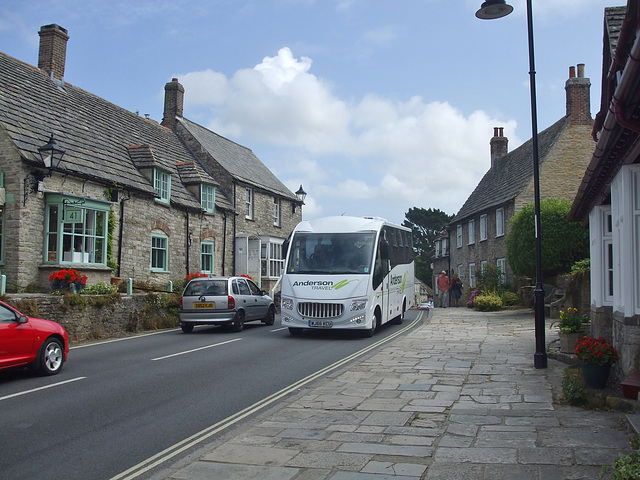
{"x":570,"y":328}
{"x":68,"y":279}
{"x":597,"y":355}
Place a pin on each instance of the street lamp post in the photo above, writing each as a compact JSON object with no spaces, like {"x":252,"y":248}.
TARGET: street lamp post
{"x":496,"y":9}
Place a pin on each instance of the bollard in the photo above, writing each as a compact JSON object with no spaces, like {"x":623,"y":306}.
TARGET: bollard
{"x":129,"y":286}
{"x":3,"y":284}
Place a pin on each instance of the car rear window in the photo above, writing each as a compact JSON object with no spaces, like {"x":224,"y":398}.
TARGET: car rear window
{"x":206,"y":287}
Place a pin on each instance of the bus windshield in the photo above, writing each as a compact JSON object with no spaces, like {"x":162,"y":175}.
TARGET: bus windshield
{"x":331,"y":253}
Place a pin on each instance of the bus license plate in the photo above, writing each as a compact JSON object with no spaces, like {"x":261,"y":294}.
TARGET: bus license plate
{"x":204,"y":305}
{"x":321,"y":323}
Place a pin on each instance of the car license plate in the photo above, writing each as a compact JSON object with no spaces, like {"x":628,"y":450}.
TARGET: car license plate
{"x":204,"y":305}
{"x":321,"y":323}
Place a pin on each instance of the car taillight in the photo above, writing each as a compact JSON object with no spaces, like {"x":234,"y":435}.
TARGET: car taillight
{"x":232,"y":303}
{"x":181,"y":307}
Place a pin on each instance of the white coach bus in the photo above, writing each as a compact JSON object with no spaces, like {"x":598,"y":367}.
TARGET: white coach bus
{"x":347,"y":273}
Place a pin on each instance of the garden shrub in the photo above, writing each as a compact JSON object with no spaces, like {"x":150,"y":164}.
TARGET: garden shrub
{"x":563,"y":242}
{"x":573,"y":387}
{"x":510,"y":299}
{"x":487,"y":302}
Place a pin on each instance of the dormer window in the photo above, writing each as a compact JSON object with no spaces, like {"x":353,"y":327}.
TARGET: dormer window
{"x":208,"y":197}
{"x":162,"y":184}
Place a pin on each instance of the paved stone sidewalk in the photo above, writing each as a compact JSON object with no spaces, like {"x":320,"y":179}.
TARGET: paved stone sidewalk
{"x":457,"y":398}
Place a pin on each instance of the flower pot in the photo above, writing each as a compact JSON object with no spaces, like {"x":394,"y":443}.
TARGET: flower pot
{"x":596,"y":375}
{"x":116,"y":281}
{"x":568,"y":342}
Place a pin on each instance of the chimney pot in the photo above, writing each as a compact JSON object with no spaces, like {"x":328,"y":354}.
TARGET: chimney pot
{"x":53,"y":50}
{"x":572,"y":72}
{"x":499,"y":145}
{"x":578,"y":97}
{"x":173,"y":103}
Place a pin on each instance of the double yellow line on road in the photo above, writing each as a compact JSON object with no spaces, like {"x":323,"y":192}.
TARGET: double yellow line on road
{"x":193,"y":440}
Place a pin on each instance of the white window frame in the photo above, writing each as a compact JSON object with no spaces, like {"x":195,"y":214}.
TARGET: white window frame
{"x":276,"y":211}
{"x":81,"y":237}
{"x":159,"y":244}
{"x":472,"y":275}
{"x":461,"y":274}
{"x":162,"y":184}
{"x":472,"y":231}
{"x":459,"y":235}
{"x":271,"y":258}
{"x":208,"y":197}
{"x":501,"y":264}
{"x":483,"y":227}
{"x":437,"y":248}
{"x":499,"y":222}
{"x":444,"y":247}
{"x":207,"y":255}
{"x":248,"y":200}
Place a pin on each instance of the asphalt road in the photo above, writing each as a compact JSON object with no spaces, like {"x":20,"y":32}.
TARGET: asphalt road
{"x":120,"y":408}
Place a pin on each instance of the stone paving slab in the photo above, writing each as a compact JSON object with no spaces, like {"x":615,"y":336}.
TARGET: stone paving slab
{"x":456,"y":398}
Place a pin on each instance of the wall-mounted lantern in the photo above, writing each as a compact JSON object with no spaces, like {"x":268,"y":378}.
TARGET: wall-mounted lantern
{"x":300,"y":195}
{"x":51,"y":155}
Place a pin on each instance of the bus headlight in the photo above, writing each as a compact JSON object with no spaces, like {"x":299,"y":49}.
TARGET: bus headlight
{"x":287,"y":304}
{"x":357,"y":305}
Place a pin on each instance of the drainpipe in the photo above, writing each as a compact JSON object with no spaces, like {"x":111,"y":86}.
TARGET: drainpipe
{"x":121,"y":232}
{"x":224,"y":242}
{"x":235,"y":214}
{"x":188,"y":240}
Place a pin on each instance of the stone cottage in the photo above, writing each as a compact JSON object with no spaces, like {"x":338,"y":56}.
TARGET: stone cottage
{"x":476,"y":235}
{"x":608,"y":200}
{"x":88,"y":185}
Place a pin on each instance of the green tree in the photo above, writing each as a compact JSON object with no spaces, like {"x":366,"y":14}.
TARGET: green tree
{"x":426,"y":225}
{"x":563,"y":242}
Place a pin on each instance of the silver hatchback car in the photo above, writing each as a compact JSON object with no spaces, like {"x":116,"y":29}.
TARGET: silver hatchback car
{"x":224,"y":301}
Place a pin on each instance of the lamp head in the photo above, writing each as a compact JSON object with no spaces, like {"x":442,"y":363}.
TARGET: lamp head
{"x":51,"y":154}
{"x":301,"y":194}
{"x":494,"y":9}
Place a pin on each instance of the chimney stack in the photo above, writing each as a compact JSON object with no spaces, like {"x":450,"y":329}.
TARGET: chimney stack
{"x":173,"y":101}
{"x":53,"y":50}
{"x":578,"y":97}
{"x":499,"y":145}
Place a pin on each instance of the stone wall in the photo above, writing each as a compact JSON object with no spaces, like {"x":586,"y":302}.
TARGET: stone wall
{"x":97,"y":317}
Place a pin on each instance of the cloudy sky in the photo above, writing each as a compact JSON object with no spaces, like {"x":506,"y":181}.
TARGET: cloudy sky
{"x":374,"y":106}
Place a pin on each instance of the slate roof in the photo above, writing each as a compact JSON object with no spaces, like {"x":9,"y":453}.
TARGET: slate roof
{"x":96,"y":134}
{"x":512,"y":173}
{"x":239,"y":161}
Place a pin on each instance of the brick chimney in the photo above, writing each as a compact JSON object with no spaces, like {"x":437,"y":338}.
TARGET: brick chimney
{"x":499,"y":145}
{"x":578,"y":97}
{"x":173,"y":101}
{"x":53,"y":50}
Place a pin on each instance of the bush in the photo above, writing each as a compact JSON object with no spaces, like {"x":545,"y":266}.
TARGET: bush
{"x":490,"y":278}
{"x":581,"y":266}
{"x":563,"y":242}
{"x":573,"y":387}
{"x":510,"y":299}
{"x":627,"y":467}
{"x":100,"y":288}
{"x":487,"y":302}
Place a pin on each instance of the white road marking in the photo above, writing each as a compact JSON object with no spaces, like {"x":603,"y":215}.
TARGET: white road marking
{"x":195,"y":350}
{"x":40,"y":388}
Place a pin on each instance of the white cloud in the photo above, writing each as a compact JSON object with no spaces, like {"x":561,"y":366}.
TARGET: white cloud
{"x":350,"y":155}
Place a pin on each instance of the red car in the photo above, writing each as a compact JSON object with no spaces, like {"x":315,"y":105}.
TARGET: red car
{"x":25,"y":341}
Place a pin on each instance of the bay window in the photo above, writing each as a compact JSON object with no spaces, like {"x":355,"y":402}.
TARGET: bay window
{"x":75,"y":230}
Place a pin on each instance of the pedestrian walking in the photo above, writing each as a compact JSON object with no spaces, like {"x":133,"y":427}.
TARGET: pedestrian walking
{"x":456,"y":289}
{"x":443,"y":289}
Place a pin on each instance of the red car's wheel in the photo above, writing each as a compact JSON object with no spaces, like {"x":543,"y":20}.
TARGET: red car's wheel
{"x":51,"y":356}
